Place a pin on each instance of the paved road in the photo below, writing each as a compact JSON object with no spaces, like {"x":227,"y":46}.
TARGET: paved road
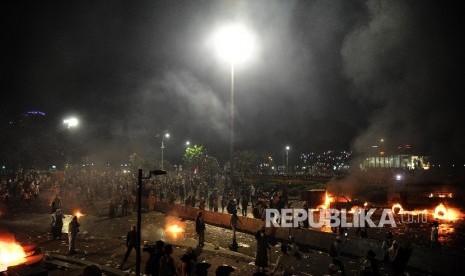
{"x":101,"y":240}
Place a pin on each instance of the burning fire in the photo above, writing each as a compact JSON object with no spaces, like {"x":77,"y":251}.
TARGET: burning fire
{"x":174,"y":230}
{"x":440,"y":212}
{"x":397,"y":209}
{"x":78,"y":214}
{"x":443,"y":213}
{"x":327,"y":202}
{"x":11,"y":253}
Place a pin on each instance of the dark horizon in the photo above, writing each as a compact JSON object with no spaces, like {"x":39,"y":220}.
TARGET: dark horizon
{"x":333,"y":75}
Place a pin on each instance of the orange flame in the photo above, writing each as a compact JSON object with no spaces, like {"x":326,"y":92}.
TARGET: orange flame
{"x":174,"y":230}
{"x":327,"y":202}
{"x":78,"y":214}
{"x":11,"y":253}
{"x":443,"y":213}
{"x":397,"y":208}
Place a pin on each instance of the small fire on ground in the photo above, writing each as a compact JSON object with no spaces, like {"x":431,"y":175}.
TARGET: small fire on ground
{"x":440,"y":212}
{"x":11,"y":253}
{"x":174,"y":230}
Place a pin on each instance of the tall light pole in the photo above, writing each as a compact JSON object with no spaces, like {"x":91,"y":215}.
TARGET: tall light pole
{"x":234,"y":43}
{"x":287,"y":158}
{"x":167,"y":135}
{"x":139,"y":212}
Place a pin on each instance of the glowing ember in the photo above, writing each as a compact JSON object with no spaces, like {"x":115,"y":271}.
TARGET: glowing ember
{"x":78,"y":214}
{"x":365,"y":204}
{"x":443,"y":213}
{"x":174,"y":230}
{"x":11,"y":254}
{"x":397,"y":209}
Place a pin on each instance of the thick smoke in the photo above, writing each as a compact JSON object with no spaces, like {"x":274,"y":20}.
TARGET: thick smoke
{"x":399,"y":61}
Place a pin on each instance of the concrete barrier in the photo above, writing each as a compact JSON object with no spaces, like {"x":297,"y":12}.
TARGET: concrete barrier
{"x":421,"y":259}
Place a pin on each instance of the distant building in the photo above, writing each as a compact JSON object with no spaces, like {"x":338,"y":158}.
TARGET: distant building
{"x":400,"y":161}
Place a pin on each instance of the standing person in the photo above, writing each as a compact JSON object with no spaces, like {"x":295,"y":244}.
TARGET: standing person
{"x":261,"y":258}
{"x":56,"y":203}
{"x":233,"y":222}
{"x":244,"y":205}
{"x":284,"y":262}
{"x":188,"y":263}
{"x":200,"y":229}
{"x":57,"y":224}
{"x":394,"y":267}
{"x":370,"y":265}
{"x":387,"y":243}
{"x":224,"y":202}
{"x":435,"y":236}
{"x":152,"y":266}
{"x":167,"y":267}
{"x":334,"y":253}
{"x":131,"y":242}
{"x":73,"y":230}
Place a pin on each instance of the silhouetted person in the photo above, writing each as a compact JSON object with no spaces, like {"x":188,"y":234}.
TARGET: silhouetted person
{"x":131,"y":242}
{"x":200,"y":229}
{"x":73,"y":230}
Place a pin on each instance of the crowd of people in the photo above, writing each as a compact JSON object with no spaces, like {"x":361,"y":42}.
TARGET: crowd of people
{"x":216,"y":194}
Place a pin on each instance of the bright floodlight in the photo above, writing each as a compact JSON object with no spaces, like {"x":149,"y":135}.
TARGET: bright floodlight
{"x":234,"y":43}
{"x":188,"y":143}
{"x":71,"y":122}
{"x":288,"y":148}
{"x":167,"y":135}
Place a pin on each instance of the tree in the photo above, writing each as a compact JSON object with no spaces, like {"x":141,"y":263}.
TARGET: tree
{"x":246,"y":162}
{"x":196,"y":158}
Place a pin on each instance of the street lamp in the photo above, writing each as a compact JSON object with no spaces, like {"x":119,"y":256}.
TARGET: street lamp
{"x":188,"y":143}
{"x":234,"y":44}
{"x":287,"y":158}
{"x":167,"y":135}
{"x":139,"y":212}
{"x":71,"y":122}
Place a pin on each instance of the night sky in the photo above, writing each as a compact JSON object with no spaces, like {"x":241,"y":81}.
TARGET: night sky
{"x":328,"y":75}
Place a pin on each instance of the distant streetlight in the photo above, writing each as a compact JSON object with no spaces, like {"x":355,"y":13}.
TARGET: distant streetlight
{"x":167,"y":135}
{"x":71,"y":122}
{"x":235,"y":44}
{"x":287,"y":158}
{"x":188,"y":143}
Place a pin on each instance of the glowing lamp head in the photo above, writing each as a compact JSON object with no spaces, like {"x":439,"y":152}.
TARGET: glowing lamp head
{"x":71,"y":122}
{"x":234,"y":43}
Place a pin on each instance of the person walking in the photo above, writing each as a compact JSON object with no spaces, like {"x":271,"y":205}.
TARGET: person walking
{"x":200,"y":229}
{"x":131,"y":242}
{"x":73,"y":230}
